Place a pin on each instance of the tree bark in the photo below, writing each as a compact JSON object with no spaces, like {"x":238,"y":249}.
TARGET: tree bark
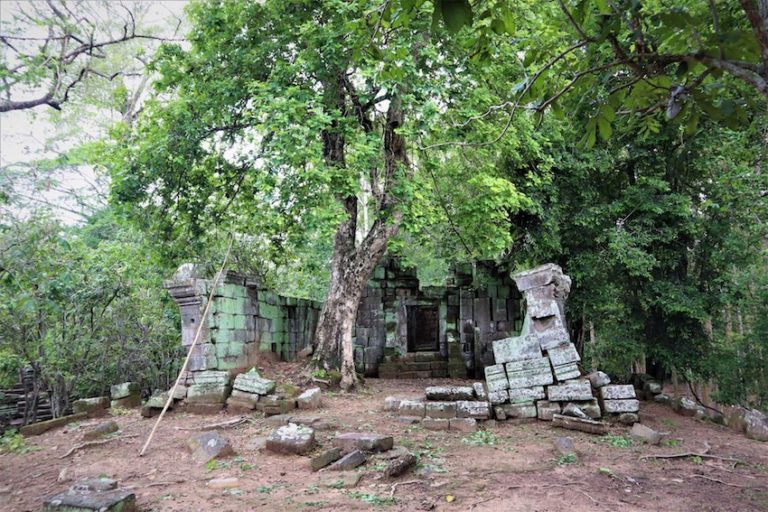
{"x":351,"y":265}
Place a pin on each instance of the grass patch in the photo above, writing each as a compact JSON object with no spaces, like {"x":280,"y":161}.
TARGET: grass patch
{"x":566,"y":459}
{"x":618,"y":441}
{"x":13,"y":442}
{"x":672,"y":442}
{"x":480,"y":438}
{"x":373,"y":499}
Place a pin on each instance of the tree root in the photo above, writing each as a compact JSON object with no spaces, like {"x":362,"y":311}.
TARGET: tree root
{"x":703,"y":454}
{"x":93,"y":443}
{"x":395,"y":485}
{"x":214,"y":426}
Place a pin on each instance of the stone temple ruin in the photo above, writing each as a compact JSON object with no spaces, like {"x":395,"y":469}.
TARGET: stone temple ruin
{"x":406,"y":331}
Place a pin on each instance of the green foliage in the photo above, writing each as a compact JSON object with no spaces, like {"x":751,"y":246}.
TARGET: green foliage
{"x":618,"y":441}
{"x":373,"y":499}
{"x":480,"y":438}
{"x":13,"y":442}
{"x":566,"y":459}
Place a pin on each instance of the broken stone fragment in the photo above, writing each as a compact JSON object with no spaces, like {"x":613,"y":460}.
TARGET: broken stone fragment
{"x":291,"y":439}
{"x":684,"y":406}
{"x":499,"y":413}
{"x":617,"y":392}
{"x":574,"y":411}
{"x":450,"y":393}
{"x":652,"y":387}
{"x":570,"y":391}
{"x":628,"y":418}
{"x":158,"y":400}
{"x":590,"y":407}
{"x":542,"y":276}
{"x":309,"y":399}
{"x":223,"y":483}
{"x":101,"y":430}
{"x":645,"y":434}
{"x":392,"y":403}
{"x":252,"y":382}
{"x":324,"y":458}
{"x":756,"y":425}
{"x":208,"y":446}
{"x":598,"y":379}
{"x":241,"y":400}
{"x":472,"y":409}
{"x":341,"y":480}
{"x":662,"y":399}
{"x":95,"y":484}
{"x":564,"y":446}
{"x":349,"y":461}
{"x":367,"y":442}
{"x":82,"y":501}
{"x":273,"y":404}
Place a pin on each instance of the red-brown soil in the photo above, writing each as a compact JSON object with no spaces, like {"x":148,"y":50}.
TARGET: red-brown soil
{"x":517,"y":473}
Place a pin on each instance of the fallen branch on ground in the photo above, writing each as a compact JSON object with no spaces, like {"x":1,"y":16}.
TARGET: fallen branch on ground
{"x":93,"y":443}
{"x":703,"y":454}
{"x":214,"y":426}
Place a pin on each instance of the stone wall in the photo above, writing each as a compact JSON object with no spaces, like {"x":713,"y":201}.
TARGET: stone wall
{"x":450,"y":327}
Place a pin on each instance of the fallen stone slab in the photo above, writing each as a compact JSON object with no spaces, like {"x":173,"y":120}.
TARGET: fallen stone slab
{"x":349,"y":461}
{"x":564,"y":446}
{"x":539,"y":276}
{"x":628,"y":418}
{"x":473,"y":409}
{"x":450,"y":393}
{"x":252,"y":382}
{"x":208,"y":446}
{"x":440,"y":409}
{"x":574,"y":411}
{"x":242,"y":401}
{"x":590,"y":407}
{"x":463,"y":424}
{"x":324,"y":458}
{"x":588,"y":426}
{"x":35,"y":429}
{"x":645,"y":434}
{"x":435,"y":423}
{"x":128,"y":402}
{"x":518,"y":411}
{"x":95,"y":484}
{"x":271,"y":405}
{"x":291,"y":439}
{"x":412,"y":408}
{"x":81,"y":501}
{"x":101,"y":430}
{"x":364,"y":441}
{"x":526,"y":395}
{"x":400,"y":465}
{"x":229,"y":482}
{"x":598,"y":379}
{"x":617,"y":392}
{"x":684,"y":406}
{"x":91,"y":406}
{"x":619,"y":406}
{"x":309,"y":399}
{"x":570,"y":391}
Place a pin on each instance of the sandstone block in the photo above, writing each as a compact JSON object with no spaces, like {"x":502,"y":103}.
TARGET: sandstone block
{"x":574,"y":411}
{"x":756,"y":425}
{"x":124,"y":390}
{"x":590,"y":407}
{"x":441,"y":409}
{"x":324,"y":458}
{"x":83,"y":501}
{"x":252,"y":382}
{"x":619,"y":406}
{"x":645,"y":434}
{"x":498,"y":397}
{"x":496,"y":377}
{"x":617,"y":392}
{"x":435,"y":423}
{"x":273,"y":404}
{"x":546,"y":409}
{"x":570,"y":391}
{"x":392,"y":403}
{"x":463,"y":424}
{"x":450,"y":393}
{"x":309,"y":399}
{"x":91,"y":406}
{"x":526,"y":395}
{"x":472,"y":409}
{"x":349,"y":461}
{"x":291,"y":439}
{"x":516,"y":348}
{"x":129,"y":402}
{"x":208,"y":393}
{"x":364,"y":441}
{"x":564,"y":445}
{"x":589,"y":426}
{"x":529,"y":372}
{"x":598,"y":379}
{"x":411,"y":408}
{"x":520,"y":410}
{"x":628,"y":418}
{"x":110,"y":427}
{"x":480,"y":392}
{"x":208,"y":446}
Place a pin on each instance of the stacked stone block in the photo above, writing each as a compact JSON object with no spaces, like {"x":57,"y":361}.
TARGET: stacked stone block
{"x":247,"y":389}
{"x":446,"y":407}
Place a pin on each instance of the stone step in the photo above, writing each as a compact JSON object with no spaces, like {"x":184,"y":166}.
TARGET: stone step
{"x":422,"y":357}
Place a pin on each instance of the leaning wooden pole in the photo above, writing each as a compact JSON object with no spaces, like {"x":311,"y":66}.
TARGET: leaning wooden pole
{"x":191,"y":348}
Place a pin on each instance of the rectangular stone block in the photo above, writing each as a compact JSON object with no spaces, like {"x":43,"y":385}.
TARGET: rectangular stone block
{"x":498,"y":397}
{"x":536,"y":277}
{"x":252,"y":382}
{"x":563,"y":355}
{"x":571,"y":423}
{"x":441,"y":410}
{"x":619,"y":406}
{"x":496,"y":378}
{"x":617,"y":392}
{"x":567,"y":372}
{"x":472,"y":409}
{"x":515,"y":349}
{"x":411,"y":408}
{"x":570,"y":391}
{"x":450,"y":393}
{"x":520,"y":410}
{"x":526,"y":395}
{"x":435,"y":423}
{"x":546,"y":409}
{"x":529,"y":372}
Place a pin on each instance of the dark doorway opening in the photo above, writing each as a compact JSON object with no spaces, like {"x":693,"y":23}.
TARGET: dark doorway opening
{"x":423,"y":329}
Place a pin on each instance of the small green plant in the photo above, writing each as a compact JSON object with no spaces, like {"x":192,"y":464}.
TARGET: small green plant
{"x":315,"y":503}
{"x":618,"y":441}
{"x":214,"y":464}
{"x":373,"y":499}
{"x":565,"y":459}
{"x":266,"y":489}
{"x":338,"y":484}
{"x":245,"y":466}
{"x":606,"y":471}
{"x":669,"y":422}
{"x":13,"y":442}
{"x":672,"y":442}
{"x":312,"y":489}
{"x":696,"y":459}
{"x":481,"y":437}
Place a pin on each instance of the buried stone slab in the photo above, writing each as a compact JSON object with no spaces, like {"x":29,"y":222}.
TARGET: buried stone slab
{"x":588,"y":426}
{"x":450,"y":393}
{"x":367,"y":442}
{"x":209,"y":446}
{"x":291,"y":439}
{"x":324,"y":458}
{"x":81,"y":501}
{"x":435,"y":423}
{"x":441,"y":409}
{"x":463,"y":424}
{"x":110,"y":427}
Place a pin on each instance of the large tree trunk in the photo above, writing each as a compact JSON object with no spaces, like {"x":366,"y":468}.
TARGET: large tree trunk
{"x":351,"y":265}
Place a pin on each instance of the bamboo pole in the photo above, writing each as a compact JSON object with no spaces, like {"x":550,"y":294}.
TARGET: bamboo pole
{"x":191,"y":348}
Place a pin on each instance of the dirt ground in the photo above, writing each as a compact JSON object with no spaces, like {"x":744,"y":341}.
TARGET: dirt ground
{"x":518,"y":472}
